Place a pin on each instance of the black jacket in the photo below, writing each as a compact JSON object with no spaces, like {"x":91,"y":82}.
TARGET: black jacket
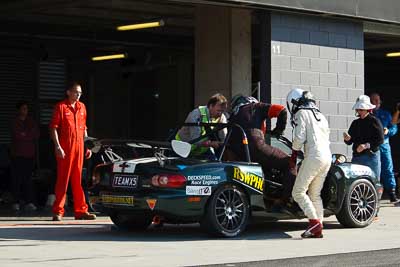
{"x":367,"y":130}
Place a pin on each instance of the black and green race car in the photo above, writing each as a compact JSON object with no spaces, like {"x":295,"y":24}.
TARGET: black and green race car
{"x":221,"y":195}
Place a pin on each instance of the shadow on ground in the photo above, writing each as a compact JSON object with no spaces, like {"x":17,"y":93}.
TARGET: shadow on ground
{"x":103,"y":230}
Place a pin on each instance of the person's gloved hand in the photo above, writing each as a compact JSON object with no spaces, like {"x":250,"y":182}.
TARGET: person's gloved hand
{"x":276,"y":132}
{"x":293,"y":159}
{"x":88,"y":154}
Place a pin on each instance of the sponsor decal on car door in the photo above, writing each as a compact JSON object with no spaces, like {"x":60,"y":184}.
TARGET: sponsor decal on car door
{"x":248,"y":179}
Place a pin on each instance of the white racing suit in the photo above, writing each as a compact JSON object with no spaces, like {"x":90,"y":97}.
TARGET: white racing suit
{"x":311,"y":130}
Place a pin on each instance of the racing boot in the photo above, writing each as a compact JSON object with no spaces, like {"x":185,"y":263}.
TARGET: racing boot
{"x":314,"y":229}
{"x":392,"y":196}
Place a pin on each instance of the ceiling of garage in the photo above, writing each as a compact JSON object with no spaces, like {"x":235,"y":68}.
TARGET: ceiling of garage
{"x":98,"y":14}
{"x":95,"y":22}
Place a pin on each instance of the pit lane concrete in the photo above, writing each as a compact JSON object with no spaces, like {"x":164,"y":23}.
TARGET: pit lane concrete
{"x":36,"y":241}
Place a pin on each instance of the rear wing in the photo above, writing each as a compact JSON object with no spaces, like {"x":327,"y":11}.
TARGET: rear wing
{"x":95,"y":144}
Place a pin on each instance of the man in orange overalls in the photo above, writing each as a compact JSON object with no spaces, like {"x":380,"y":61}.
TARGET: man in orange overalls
{"x":67,"y":130}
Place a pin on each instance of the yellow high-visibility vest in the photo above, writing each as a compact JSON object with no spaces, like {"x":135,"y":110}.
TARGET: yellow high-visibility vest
{"x":198,"y":149}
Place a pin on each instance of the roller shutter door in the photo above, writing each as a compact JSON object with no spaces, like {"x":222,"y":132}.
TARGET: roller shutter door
{"x":17,"y":82}
{"x":51,"y":87}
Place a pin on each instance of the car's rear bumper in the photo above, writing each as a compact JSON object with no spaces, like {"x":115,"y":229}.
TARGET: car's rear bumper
{"x":174,"y":206}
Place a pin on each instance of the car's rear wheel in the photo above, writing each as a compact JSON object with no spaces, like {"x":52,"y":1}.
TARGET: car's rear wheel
{"x":227,"y":212}
{"x":130,"y":222}
{"x":360,"y":205}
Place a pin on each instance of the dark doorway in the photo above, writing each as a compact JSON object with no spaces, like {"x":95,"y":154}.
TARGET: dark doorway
{"x":381,"y":76}
{"x":145,"y":103}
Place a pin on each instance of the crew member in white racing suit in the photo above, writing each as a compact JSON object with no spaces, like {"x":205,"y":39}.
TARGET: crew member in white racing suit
{"x":311,"y":131}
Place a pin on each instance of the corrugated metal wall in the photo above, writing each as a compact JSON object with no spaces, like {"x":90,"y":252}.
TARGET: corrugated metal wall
{"x":51,"y":87}
{"x":17,"y":82}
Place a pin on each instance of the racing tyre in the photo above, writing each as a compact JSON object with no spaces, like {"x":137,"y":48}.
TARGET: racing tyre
{"x":360,"y":205}
{"x":227,"y":212}
{"x":130,"y":222}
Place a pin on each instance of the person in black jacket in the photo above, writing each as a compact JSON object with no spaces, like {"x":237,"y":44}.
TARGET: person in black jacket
{"x":366,"y":135}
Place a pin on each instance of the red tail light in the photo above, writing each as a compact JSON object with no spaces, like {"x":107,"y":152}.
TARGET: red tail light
{"x":168,"y":180}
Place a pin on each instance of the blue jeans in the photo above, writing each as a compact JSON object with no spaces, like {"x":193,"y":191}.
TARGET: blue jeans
{"x":387,"y":177}
{"x":372,"y":160}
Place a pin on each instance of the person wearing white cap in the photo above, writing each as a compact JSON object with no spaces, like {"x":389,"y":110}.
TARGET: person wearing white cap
{"x":366,"y":135}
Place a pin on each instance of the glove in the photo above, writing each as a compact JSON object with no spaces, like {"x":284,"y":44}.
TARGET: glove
{"x":293,"y":160}
{"x":88,"y":153}
{"x":276,"y":132}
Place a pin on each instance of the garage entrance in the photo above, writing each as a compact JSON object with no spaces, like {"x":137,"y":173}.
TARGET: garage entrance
{"x":46,"y":43}
{"x":143,"y":95}
{"x":381,"y":74}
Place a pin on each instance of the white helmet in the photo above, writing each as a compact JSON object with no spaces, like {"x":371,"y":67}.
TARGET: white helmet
{"x":292,"y":99}
{"x":298,"y":98}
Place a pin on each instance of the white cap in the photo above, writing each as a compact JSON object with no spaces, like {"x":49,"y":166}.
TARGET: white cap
{"x":363,"y":102}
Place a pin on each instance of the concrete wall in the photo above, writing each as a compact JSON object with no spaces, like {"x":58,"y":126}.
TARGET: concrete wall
{"x":222,"y":52}
{"x":324,"y":56}
{"x":241,"y":52}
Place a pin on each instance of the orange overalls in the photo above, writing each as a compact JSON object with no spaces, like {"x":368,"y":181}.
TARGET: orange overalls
{"x":71,"y":125}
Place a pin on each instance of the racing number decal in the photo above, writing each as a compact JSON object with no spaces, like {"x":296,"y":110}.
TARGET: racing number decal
{"x":254,"y":181}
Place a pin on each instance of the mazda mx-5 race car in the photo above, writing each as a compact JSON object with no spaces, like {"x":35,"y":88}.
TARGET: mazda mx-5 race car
{"x":221,"y":195}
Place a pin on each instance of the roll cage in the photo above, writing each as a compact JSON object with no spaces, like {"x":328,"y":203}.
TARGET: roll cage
{"x":220,"y":126}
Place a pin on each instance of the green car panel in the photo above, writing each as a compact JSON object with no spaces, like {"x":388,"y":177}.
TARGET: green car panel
{"x":126,"y":187}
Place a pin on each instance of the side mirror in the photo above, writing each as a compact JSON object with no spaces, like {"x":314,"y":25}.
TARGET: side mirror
{"x":338,"y":158}
{"x":181,"y":148}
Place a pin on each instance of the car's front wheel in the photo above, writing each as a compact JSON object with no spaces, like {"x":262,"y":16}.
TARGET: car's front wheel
{"x":130,"y":222}
{"x":227,"y":212}
{"x":360,"y":205}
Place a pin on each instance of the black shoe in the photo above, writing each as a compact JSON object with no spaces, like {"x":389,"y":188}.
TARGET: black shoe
{"x":392,"y":196}
{"x":85,"y":216}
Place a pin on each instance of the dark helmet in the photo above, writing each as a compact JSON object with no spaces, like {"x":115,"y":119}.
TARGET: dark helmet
{"x":239,"y":101}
